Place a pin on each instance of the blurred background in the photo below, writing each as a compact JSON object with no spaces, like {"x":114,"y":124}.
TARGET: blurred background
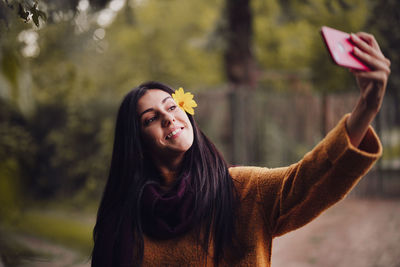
{"x":267,"y":92}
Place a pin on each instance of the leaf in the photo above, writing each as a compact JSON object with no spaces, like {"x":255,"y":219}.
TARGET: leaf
{"x":35,"y":19}
{"x":36,"y":14}
{"x":42,"y":14}
{"x":22,"y":13}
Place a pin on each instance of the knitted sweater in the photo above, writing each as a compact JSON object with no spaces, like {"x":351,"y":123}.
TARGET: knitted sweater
{"x":276,"y":201}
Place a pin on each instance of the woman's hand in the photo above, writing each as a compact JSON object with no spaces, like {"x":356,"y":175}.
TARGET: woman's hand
{"x":372,"y":85}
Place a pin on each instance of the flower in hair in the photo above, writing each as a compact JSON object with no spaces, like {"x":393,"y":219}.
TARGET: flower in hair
{"x":184,"y":100}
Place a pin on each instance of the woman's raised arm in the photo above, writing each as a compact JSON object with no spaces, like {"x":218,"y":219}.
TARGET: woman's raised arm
{"x":372,"y":85}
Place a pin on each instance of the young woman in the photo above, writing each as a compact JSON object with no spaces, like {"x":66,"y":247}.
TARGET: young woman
{"x":171,"y":200}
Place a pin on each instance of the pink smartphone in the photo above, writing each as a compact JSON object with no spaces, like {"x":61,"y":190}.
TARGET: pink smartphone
{"x":340,"y":48}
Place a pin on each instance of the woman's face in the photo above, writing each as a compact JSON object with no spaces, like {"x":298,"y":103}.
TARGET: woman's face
{"x":165,"y":128}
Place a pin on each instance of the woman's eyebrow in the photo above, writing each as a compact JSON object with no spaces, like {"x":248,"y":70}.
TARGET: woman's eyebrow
{"x":151,"y":109}
{"x":147,"y":110}
{"x":165,"y":99}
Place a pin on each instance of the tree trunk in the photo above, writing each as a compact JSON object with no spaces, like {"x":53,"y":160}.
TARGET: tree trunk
{"x":239,"y":62}
{"x":240,"y":71}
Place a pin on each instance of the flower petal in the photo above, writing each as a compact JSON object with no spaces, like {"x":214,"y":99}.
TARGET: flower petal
{"x":190,"y":110}
{"x":184,"y":100}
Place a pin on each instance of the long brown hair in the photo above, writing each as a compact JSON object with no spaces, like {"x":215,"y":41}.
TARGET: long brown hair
{"x":120,"y":207}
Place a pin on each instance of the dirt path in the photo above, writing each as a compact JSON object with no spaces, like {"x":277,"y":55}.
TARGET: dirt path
{"x":355,"y":232}
{"x":53,"y":255}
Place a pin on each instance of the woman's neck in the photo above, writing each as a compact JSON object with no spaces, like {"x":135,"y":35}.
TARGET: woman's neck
{"x":169,"y":171}
{"x":169,"y":178}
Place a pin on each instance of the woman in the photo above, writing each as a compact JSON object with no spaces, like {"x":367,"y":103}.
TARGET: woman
{"x":171,"y":200}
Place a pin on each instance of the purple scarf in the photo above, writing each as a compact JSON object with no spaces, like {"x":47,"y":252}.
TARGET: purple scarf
{"x":167,"y":214}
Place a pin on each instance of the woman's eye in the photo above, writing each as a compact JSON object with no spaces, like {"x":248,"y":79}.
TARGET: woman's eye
{"x":172,"y":107}
{"x":148,"y":121}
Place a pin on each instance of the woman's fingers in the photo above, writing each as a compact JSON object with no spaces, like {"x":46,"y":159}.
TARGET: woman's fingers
{"x":368,"y":45}
{"x":370,"y":39}
{"x":367,"y":50}
{"x":374,"y":62}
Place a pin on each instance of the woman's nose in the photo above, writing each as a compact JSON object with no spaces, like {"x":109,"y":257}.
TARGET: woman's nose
{"x":167,"y":119}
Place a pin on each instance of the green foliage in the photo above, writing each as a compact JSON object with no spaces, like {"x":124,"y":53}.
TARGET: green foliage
{"x":10,"y":195}
{"x":166,"y":43}
{"x":16,"y":149}
{"x":76,"y":88}
{"x":287,"y":40}
{"x":10,"y":67}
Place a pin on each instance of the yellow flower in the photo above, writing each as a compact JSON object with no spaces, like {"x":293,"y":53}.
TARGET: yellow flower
{"x":184,"y":100}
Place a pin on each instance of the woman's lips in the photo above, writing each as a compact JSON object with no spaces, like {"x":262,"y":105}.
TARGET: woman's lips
{"x":175,"y":133}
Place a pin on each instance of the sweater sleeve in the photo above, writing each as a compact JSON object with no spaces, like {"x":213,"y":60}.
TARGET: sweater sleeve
{"x":293,"y":196}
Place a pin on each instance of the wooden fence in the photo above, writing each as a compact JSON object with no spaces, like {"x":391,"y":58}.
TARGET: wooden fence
{"x":265,"y":128}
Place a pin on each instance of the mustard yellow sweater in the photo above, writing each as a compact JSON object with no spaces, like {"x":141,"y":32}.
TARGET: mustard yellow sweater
{"x":276,"y":201}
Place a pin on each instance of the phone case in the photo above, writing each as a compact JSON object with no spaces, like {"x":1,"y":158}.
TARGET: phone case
{"x":340,"y":48}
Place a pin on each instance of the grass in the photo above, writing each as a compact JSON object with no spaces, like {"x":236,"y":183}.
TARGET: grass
{"x":59,"y":228}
